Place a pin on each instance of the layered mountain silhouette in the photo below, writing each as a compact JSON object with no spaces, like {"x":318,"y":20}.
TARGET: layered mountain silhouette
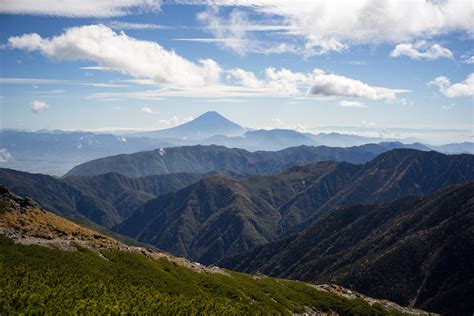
{"x":55,"y":152}
{"x":220,"y":216}
{"x":206,"y":125}
{"x":203,"y":159}
{"x":415,"y":250}
{"x":106,"y":199}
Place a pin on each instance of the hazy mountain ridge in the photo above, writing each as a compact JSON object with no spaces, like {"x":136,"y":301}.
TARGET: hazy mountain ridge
{"x":416,"y":250}
{"x":218,"y":216}
{"x":54,"y":151}
{"x":203,"y":159}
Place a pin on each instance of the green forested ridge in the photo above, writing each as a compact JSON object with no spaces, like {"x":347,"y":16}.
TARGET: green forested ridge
{"x":219,"y":217}
{"x":37,"y":280}
{"x":105,"y":199}
{"x":203,"y":159}
{"x":416,"y":250}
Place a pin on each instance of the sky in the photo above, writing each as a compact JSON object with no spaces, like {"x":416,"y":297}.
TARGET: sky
{"x":380,"y":67}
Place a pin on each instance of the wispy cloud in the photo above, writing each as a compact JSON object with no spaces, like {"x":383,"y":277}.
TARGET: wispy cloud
{"x":49,"y":92}
{"x":120,"y":25}
{"x":40,"y":81}
{"x":352,"y":104}
{"x":78,"y":8}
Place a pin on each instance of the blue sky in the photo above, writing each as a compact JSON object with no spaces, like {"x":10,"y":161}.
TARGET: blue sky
{"x":309,"y":65}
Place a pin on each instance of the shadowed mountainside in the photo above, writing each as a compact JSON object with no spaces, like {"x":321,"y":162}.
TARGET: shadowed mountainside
{"x":105,"y":199}
{"x":416,"y":250}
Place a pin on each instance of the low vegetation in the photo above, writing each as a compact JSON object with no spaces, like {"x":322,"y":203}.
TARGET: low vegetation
{"x":36,"y":280}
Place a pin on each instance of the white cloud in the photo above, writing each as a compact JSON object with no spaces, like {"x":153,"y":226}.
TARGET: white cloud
{"x":280,"y":82}
{"x":149,"y":110}
{"x":225,"y":31}
{"x":274,"y":82}
{"x":334,"y":25}
{"x":149,"y":63}
{"x":49,"y":92}
{"x":235,"y":33}
{"x":352,"y":104}
{"x":34,"y":81}
{"x":119,"y":25}
{"x":173,"y":121}
{"x":368,"y":124}
{"x":421,"y":50}
{"x":405,"y":102}
{"x":5,"y":155}
{"x":38,"y":106}
{"x":40,"y":81}
{"x":448,"y":107}
{"x":77,"y":8}
{"x":462,"y":89}
{"x":469,"y":60}
{"x":137,"y":58}
{"x":334,"y":85}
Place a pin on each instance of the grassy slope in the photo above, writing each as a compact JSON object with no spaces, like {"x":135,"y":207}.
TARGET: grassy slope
{"x":36,"y":279}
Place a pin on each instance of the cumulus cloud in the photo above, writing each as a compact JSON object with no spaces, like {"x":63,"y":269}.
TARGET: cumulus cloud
{"x":149,"y":110}
{"x":421,"y":50}
{"x":77,"y":8}
{"x":334,"y":85}
{"x":333,"y":25}
{"x":137,"y":58}
{"x":279,"y":82}
{"x":462,"y":89}
{"x":38,"y":106}
{"x":352,"y":104}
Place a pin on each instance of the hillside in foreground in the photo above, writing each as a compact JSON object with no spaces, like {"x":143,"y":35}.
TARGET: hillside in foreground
{"x":51,"y":265}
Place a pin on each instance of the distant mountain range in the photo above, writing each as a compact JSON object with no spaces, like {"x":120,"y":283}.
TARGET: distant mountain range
{"x":220,"y":216}
{"x":55,"y":152}
{"x":203,"y":159}
{"x":416,"y":251}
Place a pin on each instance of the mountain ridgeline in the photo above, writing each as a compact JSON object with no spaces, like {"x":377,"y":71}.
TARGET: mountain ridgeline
{"x":203,"y":159}
{"x":221,"y":216}
{"x":105,"y":199}
{"x":415,"y":251}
